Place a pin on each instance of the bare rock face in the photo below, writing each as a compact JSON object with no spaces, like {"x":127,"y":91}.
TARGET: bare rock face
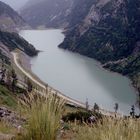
{"x":93,"y":16}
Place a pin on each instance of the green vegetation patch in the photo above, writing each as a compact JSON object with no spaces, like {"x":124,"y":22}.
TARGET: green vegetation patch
{"x":7,"y":98}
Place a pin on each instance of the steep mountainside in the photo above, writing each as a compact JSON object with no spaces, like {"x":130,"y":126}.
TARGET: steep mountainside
{"x":47,"y":13}
{"x":4,"y":54}
{"x":13,"y":41}
{"x":9,"y":19}
{"x":109,"y":31}
{"x":9,"y":75}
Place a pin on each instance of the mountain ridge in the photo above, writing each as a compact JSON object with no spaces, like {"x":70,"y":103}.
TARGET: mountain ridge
{"x":10,"y":23}
{"x":47,"y":13}
{"x":10,"y":20}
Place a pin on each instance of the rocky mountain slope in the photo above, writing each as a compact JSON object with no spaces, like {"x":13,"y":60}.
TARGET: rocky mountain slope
{"x":109,"y":31}
{"x":10,"y":19}
{"x":10,"y":22}
{"x":47,"y":13}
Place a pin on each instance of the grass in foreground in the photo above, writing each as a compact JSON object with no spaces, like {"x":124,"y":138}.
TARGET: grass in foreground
{"x":108,"y":129}
{"x":6,"y":128}
{"x":43,"y":122}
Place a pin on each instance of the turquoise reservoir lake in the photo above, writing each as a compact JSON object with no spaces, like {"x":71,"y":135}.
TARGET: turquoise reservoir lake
{"x":78,"y":76}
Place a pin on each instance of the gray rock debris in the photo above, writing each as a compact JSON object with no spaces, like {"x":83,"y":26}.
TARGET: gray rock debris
{"x":11,"y":117}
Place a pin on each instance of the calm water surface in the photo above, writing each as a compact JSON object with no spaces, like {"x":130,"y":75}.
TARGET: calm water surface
{"x":78,"y":76}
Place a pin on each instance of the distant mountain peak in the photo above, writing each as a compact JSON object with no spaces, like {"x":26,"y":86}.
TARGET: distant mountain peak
{"x":47,"y":13}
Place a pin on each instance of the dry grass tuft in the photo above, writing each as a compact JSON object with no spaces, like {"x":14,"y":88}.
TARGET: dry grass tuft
{"x":6,"y":128}
{"x":109,"y":129}
{"x":44,"y":115}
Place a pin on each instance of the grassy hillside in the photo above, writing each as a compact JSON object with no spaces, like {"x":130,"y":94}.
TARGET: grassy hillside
{"x":43,"y":115}
{"x":108,"y":129}
{"x":7,"y":98}
{"x":44,"y":123}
